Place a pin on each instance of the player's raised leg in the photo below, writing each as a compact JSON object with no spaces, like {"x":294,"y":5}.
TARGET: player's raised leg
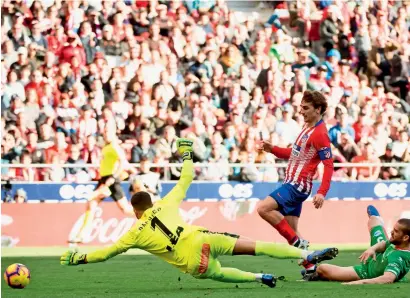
{"x":283,"y":202}
{"x":375,"y":225}
{"x":99,"y":194}
{"x":118,"y":195}
{"x":125,"y":206}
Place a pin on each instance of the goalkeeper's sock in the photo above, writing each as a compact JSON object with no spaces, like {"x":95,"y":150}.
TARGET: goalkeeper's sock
{"x":235,"y":275}
{"x":279,"y":251}
{"x":286,"y":231}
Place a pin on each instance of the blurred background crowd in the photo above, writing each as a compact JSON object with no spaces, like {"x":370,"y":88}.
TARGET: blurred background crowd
{"x":158,"y":70}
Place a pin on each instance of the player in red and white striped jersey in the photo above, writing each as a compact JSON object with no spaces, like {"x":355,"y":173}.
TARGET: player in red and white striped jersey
{"x":282,"y":208}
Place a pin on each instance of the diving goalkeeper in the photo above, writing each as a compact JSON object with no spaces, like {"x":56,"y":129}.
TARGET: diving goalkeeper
{"x":161,"y":231}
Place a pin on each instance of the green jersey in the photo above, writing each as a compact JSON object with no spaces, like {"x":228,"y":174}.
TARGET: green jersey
{"x":391,"y":260}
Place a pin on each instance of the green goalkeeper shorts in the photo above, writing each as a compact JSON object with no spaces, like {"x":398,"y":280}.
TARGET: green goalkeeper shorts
{"x":376,"y":235}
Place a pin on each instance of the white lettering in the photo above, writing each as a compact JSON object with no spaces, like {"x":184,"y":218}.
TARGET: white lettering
{"x":192,"y":214}
{"x":242,"y":190}
{"x":229,"y":210}
{"x":104,"y":231}
{"x":393,"y":190}
{"x":67,"y":191}
{"x":381,"y":190}
{"x":226,"y":190}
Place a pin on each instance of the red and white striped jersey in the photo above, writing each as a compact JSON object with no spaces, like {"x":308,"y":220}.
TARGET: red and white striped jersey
{"x":311,"y":147}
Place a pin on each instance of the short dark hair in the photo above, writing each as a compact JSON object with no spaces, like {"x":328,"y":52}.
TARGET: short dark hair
{"x":317,"y":99}
{"x":141,"y":201}
{"x":405,"y":223}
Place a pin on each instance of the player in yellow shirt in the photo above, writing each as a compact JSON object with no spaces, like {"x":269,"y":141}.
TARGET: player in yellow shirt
{"x":114,"y":168}
{"x":161,"y":231}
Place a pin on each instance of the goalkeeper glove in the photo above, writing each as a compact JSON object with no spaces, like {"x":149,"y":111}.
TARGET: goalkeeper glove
{"x":184,"y":147}
{"x":73,"y":258}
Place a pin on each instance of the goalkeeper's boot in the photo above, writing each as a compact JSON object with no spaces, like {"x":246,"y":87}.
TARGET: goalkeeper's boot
{"x":269,"y":280}
{"x":322,"y":255}
{"x":372,"y":211}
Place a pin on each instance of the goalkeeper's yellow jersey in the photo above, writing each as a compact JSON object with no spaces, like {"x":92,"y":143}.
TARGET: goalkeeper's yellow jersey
{"x":161,"y":230}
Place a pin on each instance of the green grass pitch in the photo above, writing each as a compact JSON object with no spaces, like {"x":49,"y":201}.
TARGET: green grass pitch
{"x":147,"y":276}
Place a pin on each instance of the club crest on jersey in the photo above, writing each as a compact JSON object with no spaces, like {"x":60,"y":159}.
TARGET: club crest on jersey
{"x":304,"y":138}
{"x":295,"y":150}
{"x":325,"y":153}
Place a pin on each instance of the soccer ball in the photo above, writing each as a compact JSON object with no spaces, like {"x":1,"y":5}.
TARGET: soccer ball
{"x":17,"y":276}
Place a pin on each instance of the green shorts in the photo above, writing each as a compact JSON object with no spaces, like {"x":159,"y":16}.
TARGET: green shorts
{"x":206,"y":247}
{"x":376,"y":235}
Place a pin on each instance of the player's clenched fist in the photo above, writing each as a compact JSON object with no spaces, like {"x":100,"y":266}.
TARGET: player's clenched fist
{"x":184,"y":147}
{"x":73,"y":258}
{"x":264,"y":146}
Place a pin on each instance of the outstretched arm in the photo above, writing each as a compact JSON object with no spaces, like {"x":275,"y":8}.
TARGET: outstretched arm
{"x":178,"y":193}
{"x":283,"y":153}
{"x":75,"y":258}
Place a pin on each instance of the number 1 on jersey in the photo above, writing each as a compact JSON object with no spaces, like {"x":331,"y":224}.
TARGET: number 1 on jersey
{"x":155,"y":222}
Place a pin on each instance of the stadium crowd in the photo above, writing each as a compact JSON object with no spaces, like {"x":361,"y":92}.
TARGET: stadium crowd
{"x":157,"y":70}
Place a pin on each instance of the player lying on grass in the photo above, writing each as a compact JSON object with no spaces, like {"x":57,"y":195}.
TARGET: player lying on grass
{"x":161,"y":231}
{"x":386,"y":261}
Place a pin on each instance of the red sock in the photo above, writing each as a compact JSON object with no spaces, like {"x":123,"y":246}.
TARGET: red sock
{"x":286,"y":231}
{"x":307,"y":265}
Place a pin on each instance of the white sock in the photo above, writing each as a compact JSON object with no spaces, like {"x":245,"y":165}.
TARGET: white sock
{"x":305,"y":254}
{"x":258,"y":277}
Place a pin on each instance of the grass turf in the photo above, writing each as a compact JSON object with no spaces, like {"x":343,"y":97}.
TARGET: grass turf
{"x":147,"y":276}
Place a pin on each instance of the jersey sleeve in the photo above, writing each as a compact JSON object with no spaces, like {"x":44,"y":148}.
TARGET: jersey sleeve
{"x":122,"y":245}
{"x":283,"y":153}
{"x":321,"y":143}
{"x":178,"y":193}
{"x":397,"y":265}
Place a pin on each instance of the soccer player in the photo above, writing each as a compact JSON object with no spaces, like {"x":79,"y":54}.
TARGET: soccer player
{"x":161,"y":231}
{"x":114,"y":167}
{"x":386,"y":261}
{"x":282,"y":208}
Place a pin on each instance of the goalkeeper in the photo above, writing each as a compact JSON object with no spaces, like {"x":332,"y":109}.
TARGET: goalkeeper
{"x":161,"y":231}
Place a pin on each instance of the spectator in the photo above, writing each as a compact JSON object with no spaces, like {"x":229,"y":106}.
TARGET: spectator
{"x":218,"y":168}
{"x":287,"y":128}
{"x":25,"y":173}
{"x":346,"y":146}
{"x":366,"y":173}
{"x":76,"y":174}
{"x":329,"y":29}
{"x":20,"y":196}
{"x":143,"y":148}
{"x":341,"y":126}
{"x":390,"y":173}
